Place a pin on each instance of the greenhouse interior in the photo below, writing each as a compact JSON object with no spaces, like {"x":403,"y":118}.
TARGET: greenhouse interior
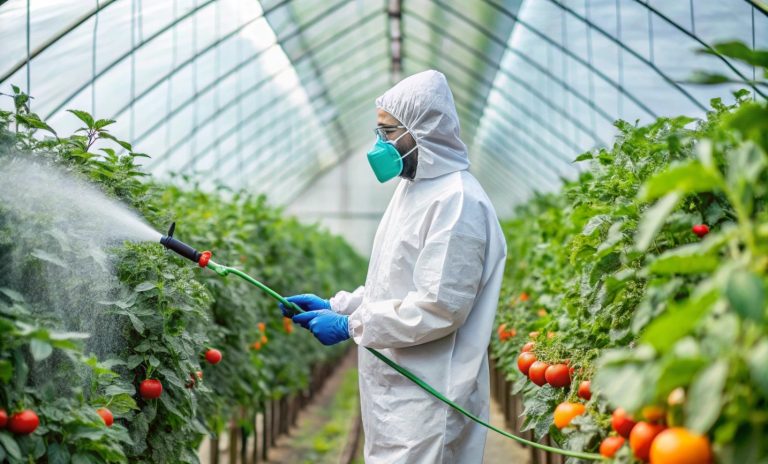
{"x":499,"y":231}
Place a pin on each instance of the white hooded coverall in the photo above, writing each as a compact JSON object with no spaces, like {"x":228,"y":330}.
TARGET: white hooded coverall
{"x":430,"y":296}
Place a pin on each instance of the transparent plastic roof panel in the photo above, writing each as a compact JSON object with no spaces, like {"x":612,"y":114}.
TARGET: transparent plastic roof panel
{"x":269,"y":95}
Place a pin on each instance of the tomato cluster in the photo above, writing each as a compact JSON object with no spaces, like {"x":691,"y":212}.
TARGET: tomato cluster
{"x":262,"y":341}
{"x":558,"y":375}
{"x":651,"y":439}
{"x":504,"y":333}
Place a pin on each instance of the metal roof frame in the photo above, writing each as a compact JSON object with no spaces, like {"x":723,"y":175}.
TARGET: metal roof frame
{"x":276,"y":98}
{"x":266,"y":80}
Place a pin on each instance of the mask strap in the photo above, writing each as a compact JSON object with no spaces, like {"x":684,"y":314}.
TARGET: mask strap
{"x":393,"y":142}
{"x":400,"y":137}
{"x":410,"y":151}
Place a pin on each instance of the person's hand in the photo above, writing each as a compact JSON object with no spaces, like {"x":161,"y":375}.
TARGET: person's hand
{"x":327,"y":326}
{"x":307,"y":302}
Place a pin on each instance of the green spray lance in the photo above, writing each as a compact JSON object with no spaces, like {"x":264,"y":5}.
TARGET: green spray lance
{"x":203,"y":259}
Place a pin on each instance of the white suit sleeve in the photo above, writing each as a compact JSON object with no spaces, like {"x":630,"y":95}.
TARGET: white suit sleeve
{"x":446,"y":276}
{"x":346,"y":302}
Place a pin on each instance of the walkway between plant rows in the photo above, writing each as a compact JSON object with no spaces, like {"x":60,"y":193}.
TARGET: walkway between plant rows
{"x":328,"y":430}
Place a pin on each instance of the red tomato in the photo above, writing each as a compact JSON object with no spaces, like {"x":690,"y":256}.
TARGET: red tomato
{"x":565,"y":412}
{"x":213,"y":356}
{"x":641,"y":438}
{"x":262,"y":327}
{"x":106,"y":416}
{"x":585,"y":391}
{"x":622,"y":422}
{"x":524,"y":362}
{"x":537,"y":373}
{"x":528,"y":347}
{"x":287,"y":325}
{"x":557,"y":375}
{"x":680,"y":446}
{"x":150,"y":389}
{"x":611,"y":445}
{"x":3,"y":418}
{"x":700,"y":230}
{"x":524,"y":297}
{"x":24,"y":422}
{"x":533,"y":334}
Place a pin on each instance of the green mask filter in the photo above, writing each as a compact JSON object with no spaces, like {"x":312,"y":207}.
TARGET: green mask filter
{"x":385,"y":160}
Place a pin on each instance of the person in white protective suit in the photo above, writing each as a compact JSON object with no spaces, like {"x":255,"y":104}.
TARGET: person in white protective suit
{"x":432,"y":288}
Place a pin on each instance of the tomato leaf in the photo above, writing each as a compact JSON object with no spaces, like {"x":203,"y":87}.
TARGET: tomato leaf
{"x":687,"y":259}
{"x":58,"y":454}
{"x":84,"y":458}
{"x":653,"y":220}
{"x":688,"y":177}
{"x":623,"y":378}
{"x":10,"y":445}
{"x":144,"y":286}
{"x":705,"y":398}
{"x":84,"y":117}
{"x":677,"y":322}
{"x":758,"y":365}
{"x":137,"y":324}
{"x":746,"y":294}
{"x":6,"y":370}
{"x":12,"y":294}
{"x":40,"y":349}
{"x":740,"y":51}
{"x":677,"y":372}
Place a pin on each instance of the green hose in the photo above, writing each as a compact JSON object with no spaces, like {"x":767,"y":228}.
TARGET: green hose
{"x":224,"y":271}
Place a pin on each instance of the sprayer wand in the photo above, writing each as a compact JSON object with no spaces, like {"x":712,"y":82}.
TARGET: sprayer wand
{"x":203,"y":259}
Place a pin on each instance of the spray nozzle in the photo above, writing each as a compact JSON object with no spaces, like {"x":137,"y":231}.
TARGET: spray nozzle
{"x":183,"y":249}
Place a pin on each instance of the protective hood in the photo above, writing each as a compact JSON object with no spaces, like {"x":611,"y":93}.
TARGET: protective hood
{"x":423,"y":103}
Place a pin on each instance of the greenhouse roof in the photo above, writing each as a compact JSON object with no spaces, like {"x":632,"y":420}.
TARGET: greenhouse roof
{"x":270,"y":95}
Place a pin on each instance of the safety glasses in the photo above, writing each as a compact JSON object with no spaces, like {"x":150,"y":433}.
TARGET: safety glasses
{"x":382,"y":131}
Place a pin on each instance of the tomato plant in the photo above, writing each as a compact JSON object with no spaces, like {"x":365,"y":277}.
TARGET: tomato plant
{"x":144,"y":313}
{"x":651,"y":272}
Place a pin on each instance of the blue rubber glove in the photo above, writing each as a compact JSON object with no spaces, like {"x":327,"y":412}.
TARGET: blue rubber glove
{"x":307,"y":302}
{"x":327,"y":326}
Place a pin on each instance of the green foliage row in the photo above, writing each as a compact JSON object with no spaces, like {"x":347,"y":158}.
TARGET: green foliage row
{"x":162,"y":312}
{"x":616,"y":283}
